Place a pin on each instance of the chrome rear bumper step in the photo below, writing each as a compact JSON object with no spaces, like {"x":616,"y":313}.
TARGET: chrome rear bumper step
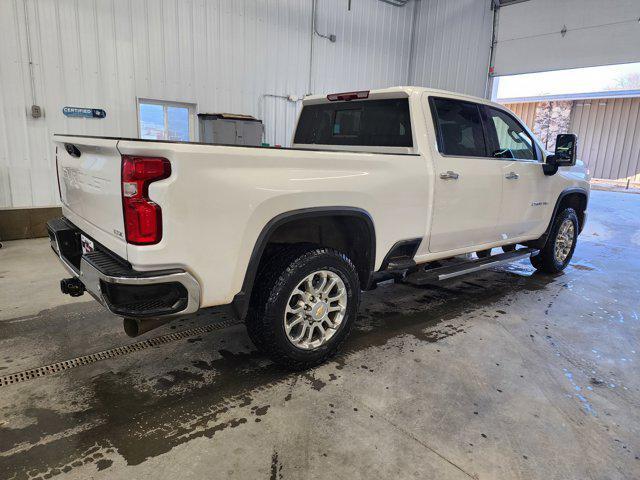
{"x":425,"y":276}
{"x":116,"y":284}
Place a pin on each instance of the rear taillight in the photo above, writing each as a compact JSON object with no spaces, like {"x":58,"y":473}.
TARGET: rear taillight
{"x":142,"y":217}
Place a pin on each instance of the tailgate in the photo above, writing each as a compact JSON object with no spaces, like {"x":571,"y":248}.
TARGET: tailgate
{"x":90,"y":188}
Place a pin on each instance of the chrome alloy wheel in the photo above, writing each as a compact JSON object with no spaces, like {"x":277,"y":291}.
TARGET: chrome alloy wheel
{"x":564,"y":240}
{"x":315,"y":310}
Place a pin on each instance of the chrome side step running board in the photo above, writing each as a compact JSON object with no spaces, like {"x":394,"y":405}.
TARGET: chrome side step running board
{"x":429,"y":275}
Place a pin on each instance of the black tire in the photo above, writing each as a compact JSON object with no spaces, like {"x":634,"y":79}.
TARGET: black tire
{"x":277,"y":279}
{"x":484,"y":253}
{"x":509,"y":248}
{"x":546,"y":260}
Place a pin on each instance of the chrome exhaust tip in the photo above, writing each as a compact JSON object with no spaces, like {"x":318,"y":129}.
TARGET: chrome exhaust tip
{"x":135,"y":327}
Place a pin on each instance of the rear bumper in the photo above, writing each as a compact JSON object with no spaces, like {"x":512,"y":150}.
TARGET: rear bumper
{"x":116,"y":285}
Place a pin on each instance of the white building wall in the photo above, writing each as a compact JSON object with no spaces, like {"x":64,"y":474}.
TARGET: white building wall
{"x":452,"y":45}
{"x":222,"y":55}
{"x":372,"y":45}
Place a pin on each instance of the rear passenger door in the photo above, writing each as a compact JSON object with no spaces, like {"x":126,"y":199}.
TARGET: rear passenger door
{"x":524,"y":190}
{"x":468,"y":182}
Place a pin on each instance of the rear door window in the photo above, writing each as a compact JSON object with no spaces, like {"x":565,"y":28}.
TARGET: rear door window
{"x":459,"y":128}
{"x":375,"y":123}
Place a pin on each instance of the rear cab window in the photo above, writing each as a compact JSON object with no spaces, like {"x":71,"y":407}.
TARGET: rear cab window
{"x":357,"y":123}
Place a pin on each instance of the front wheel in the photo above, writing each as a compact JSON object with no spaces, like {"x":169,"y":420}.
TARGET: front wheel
{"x":557,"y":252}
{"x":304,"y":306}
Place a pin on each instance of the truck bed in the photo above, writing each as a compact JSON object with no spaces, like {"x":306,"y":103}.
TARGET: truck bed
{"x":225,"y":196}
{"x":324,"y":148}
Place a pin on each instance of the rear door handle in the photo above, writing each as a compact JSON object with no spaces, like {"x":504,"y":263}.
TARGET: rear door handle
{"x":449,"y":175}
{"x":512,"y":176}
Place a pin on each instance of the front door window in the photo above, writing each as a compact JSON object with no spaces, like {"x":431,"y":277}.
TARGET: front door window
{"x":510,"y":139}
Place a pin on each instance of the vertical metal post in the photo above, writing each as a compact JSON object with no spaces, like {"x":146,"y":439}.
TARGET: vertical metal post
{"x":412,"y":45}
{"x":313,"y":26}
{"x":495,"y":7}
{"x":29,"y":53}
{"x":166,"y":121}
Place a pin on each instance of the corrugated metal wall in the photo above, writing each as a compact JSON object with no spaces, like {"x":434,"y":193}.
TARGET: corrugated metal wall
{"x":609,"y":136}
{"x":222,"y":55}
{"x":371,"y":48}
{"x":452,"y":45}
{"x":608,"y":132}
{"x":526,"y":111}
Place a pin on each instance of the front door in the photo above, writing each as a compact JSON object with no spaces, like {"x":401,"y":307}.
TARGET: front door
{"x":468,"y":183}
{"x":524,"y":191}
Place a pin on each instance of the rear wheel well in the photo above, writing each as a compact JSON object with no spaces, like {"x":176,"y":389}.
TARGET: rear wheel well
{"x":347,"y":230}
{"x":348,"y":234}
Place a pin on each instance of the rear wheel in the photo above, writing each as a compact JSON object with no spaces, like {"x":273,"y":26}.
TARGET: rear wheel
{"x":557,"y":252}
{"x":304,"y":305}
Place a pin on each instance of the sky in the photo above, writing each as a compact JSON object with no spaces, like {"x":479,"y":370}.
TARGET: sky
{"x":577,"y":80}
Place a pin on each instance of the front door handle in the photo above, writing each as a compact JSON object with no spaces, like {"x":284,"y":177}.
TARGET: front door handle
{"x":449,"y":175}
{"x":512,"y":176}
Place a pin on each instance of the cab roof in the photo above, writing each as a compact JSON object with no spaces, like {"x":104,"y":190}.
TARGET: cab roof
{"x":398,"y":92}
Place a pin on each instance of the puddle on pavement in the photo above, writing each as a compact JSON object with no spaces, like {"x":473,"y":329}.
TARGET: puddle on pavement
{"x":578,"y":266}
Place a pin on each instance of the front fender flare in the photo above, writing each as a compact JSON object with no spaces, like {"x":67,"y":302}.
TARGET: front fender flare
{"x":541,"y":242}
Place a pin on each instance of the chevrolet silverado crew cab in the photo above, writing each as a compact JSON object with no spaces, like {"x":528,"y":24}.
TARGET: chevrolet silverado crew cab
{"x":404,"y":183}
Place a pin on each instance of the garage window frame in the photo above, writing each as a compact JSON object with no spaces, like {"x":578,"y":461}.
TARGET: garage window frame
{"x":191,"y":109}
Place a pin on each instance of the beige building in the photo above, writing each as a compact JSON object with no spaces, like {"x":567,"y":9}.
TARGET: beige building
{"x":607,"y":125}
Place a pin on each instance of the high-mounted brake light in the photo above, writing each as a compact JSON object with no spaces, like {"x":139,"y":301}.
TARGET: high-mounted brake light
{"x":142,"y":217}
{"x":362,"y":94}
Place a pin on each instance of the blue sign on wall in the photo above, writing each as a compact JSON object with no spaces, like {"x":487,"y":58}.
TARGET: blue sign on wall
{"x":84,"y":112}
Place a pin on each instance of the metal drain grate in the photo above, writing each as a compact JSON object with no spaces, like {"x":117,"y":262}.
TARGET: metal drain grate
{"x":38,"y":372}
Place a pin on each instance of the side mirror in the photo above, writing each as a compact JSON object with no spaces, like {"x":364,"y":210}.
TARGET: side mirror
{"x":564,"y":155}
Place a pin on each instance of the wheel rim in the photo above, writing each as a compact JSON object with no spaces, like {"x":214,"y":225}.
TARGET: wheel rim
{"x":564,"y":240}
{"x":315,"y":310}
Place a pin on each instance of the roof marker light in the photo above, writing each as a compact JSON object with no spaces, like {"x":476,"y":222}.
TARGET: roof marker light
{"x":346,"y":96}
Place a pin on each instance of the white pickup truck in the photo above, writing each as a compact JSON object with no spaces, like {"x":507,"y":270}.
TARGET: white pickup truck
{"x":404,"y":183}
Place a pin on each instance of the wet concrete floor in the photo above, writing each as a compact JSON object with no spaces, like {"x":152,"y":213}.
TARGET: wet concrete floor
{"x":498,"y":375}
